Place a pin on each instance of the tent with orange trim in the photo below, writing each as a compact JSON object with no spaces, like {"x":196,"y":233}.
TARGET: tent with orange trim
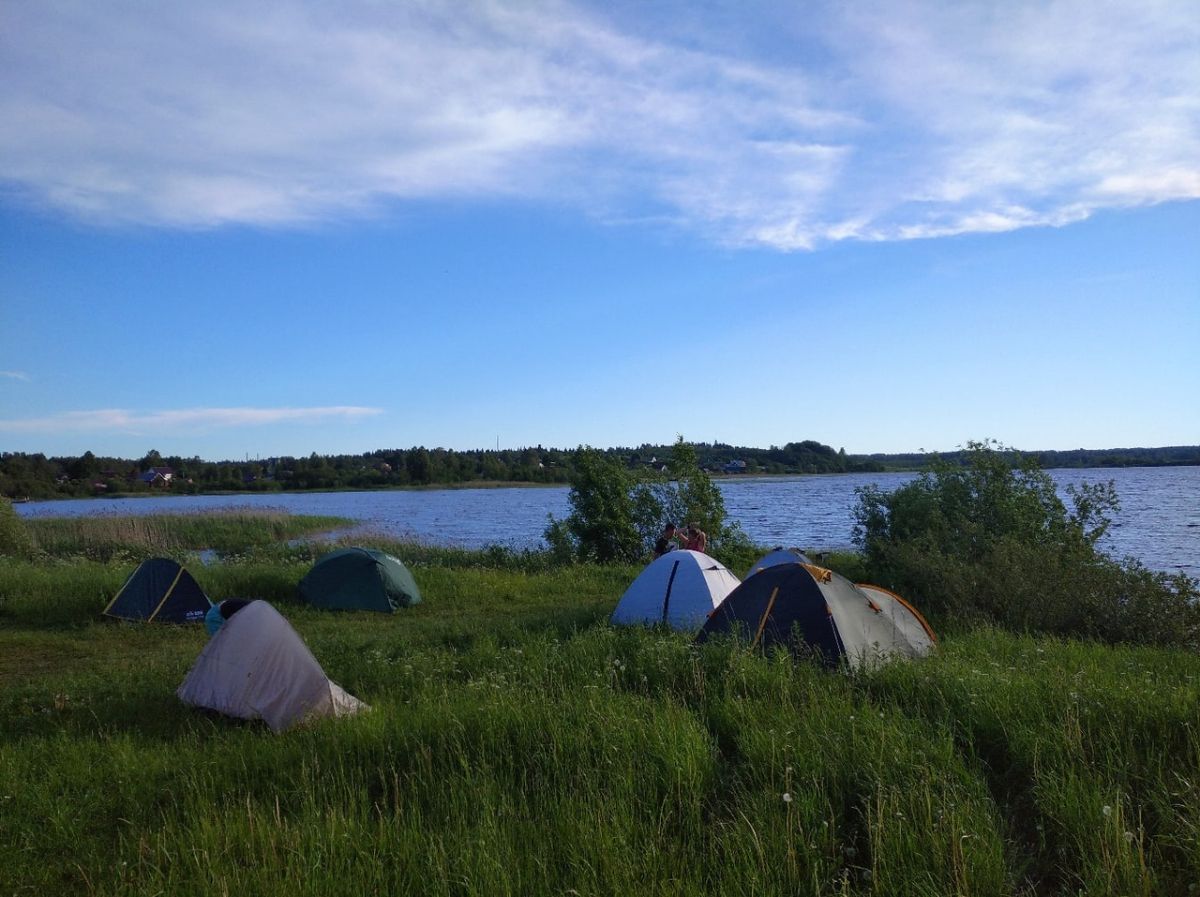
{"x":159,"y":591}
{"x":813,"y":611}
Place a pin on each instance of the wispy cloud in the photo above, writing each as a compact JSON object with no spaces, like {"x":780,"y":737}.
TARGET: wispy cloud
{"x":872,"y":121}
{"x":15,"y":375}
{"x":117,"y":420}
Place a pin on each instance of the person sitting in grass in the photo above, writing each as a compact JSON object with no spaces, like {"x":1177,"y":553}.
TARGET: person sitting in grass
{"x":220,"y":612}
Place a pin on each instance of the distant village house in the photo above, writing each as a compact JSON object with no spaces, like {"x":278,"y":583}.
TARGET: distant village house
{"x":158,"y":477}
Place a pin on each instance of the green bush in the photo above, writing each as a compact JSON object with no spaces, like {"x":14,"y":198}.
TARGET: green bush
{"x":617,"y":513}
{"x":988,"y":539}
{"x":607,"y":505}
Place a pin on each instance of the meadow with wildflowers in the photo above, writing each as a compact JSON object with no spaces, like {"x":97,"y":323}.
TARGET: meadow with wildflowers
{"x":519,"y":745}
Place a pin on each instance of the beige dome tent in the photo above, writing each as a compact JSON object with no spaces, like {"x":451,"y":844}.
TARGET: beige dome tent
{"x":257,"y":667}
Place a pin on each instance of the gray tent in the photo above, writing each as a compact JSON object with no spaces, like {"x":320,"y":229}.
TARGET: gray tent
{"x":257,"y":667}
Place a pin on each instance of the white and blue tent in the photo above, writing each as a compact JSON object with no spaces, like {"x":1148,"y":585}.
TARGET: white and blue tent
{"x":779,"y":556}
{"x":679,"y":589}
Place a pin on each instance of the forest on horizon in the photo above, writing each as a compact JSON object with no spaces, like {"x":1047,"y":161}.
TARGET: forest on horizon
{"x":36,"y":476}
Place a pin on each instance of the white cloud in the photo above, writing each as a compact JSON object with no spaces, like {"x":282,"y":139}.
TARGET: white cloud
{"x":121,"y":420}
{"x":1031,"y":113}
{"x":913,"y":119}
{"x":15,"y":375}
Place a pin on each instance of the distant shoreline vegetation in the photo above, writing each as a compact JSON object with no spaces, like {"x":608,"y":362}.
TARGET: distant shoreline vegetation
{"x":37,"y":476}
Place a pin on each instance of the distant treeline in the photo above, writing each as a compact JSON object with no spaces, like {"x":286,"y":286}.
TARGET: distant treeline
{"x":38,"y":476}
{"x":1167,"y":456}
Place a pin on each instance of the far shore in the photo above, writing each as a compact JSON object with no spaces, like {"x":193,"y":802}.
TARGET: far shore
{"x":501,"y":484}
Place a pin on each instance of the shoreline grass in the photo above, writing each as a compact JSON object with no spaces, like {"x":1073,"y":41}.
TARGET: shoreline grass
{"x":519,"y":745}
{"x":105,"y":537}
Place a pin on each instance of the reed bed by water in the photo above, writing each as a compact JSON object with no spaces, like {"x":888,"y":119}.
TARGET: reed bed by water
{"x":518,"y":745}
{"x":108,"y":537}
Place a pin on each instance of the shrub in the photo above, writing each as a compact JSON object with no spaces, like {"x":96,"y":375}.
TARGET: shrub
{"x":989,"y":539}
{"x":602,"y":525}
{"x":616,"y":513}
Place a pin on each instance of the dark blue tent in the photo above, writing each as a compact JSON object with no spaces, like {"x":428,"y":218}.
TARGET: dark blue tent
{"x":813,"y":611}
{"x":160,"y":591}
{"x":778,"y":605}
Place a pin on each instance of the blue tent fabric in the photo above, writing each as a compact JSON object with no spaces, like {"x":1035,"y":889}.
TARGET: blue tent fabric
{"x":779,"y":605}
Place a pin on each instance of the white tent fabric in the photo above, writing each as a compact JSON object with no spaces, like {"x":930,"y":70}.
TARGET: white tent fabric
{"x":257,"y":667}
{"x":908,"y":622}
{"x":680,"y":588}
{"x":779,"y":556}
{"x":873,"y":624}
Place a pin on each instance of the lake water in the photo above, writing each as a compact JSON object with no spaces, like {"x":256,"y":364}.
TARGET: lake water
{"x":1159,"y":520}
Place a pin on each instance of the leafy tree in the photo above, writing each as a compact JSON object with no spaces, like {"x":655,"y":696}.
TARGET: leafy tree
{"x":418,"y":465}
{"x":84,"y":467}
{"x":694,"y":498}
{"x":617,"y":513}
{"x":602,"y":524}
{"x":986,"y":536}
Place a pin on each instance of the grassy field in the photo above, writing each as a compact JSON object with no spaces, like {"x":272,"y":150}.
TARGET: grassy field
{"x":519,"y":745}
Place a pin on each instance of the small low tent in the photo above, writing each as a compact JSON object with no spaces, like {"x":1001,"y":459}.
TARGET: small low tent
{"x":779,"y":556}
{"x":359,"y":579}
{"x":159,"y":591}
{"x":810,"y":610}
{"x":680,"y":589}
{"x":257,"y":667}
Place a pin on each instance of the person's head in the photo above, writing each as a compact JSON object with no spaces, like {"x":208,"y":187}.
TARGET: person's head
{"x":669,"y":529}
{"x":231,"y":606}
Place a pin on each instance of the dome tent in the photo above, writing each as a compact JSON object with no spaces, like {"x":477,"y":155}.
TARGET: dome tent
{"x":808,"y":609}
{"x":159,"y":591}
{"x":359,"y":579}
{"x":779,"y":556}
{"x":906,"y":617}
{"x":680,"y":589}
{"x":257,"y":667}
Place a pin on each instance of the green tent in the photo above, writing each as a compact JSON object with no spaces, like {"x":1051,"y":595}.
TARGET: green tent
{"x":359,"y":579}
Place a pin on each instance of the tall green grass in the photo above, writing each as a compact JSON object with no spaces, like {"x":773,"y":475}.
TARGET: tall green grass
{"x":106,"y":538}
{"x":518,"y":745}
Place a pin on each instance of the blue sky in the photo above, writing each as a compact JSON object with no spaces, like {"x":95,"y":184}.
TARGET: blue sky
{"x":884,"y":226}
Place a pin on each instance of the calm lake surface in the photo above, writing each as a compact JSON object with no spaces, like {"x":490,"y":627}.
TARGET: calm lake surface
{"x":1159,"y":520}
